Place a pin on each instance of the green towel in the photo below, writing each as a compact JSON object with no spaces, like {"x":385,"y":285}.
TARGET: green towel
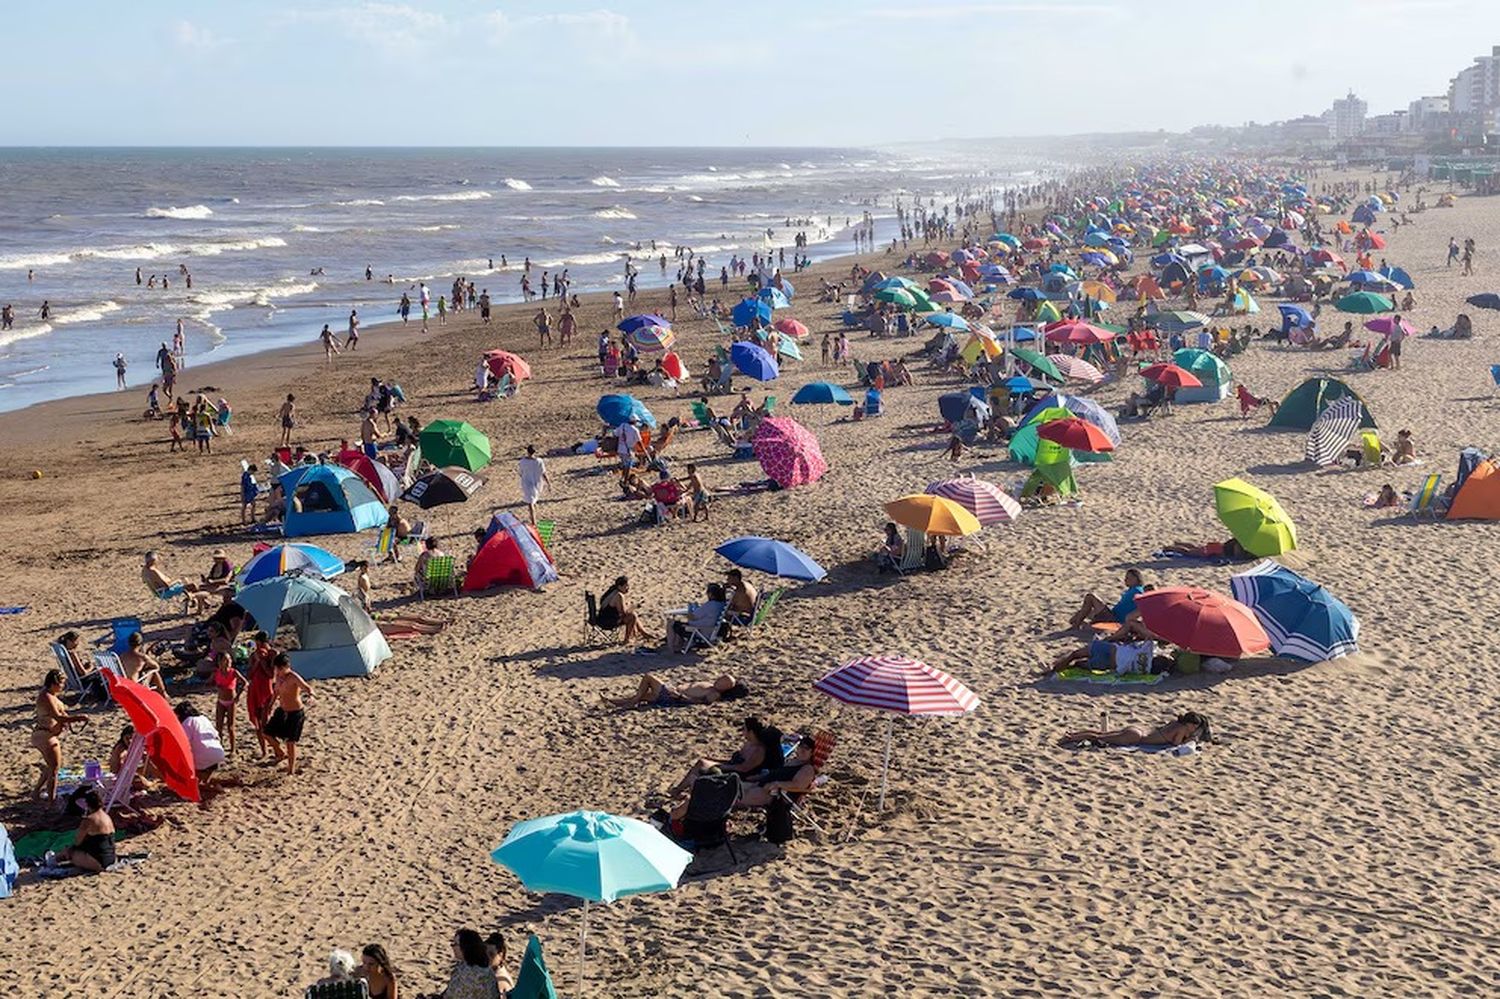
{"x":1108,"y":676}
{"x":34,"y":845}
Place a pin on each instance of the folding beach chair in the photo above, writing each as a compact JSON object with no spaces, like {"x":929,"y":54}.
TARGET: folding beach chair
{"x":593,"y":631}
{"x":71,"y":680}
{"x":437,"y":576}
{"x":823,"y":743}
{"x":700,"y":413}
{"x":763,"y":608}
{"x":716,"y":633}
{"x":706,"y":823}
{"x":914,"y":557}
{"x":1422,"y":501}
{"x":120,"y":630}
{"x":353,"y":989}
{"x":545,"y":531}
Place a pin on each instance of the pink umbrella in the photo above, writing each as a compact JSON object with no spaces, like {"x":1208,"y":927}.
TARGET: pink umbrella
{"x":790,"y":327}
{"x":986,"y":501}
{"x":1076,"y":368}
{"x":948,"y":296}
{"x":1077,"y":331}
{"x":899,"y":685}
{"x":1384,"y":324}
{"x":788,"y":452}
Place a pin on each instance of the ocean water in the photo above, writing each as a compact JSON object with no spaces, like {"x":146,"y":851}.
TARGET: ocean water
{"x":252,"y":225}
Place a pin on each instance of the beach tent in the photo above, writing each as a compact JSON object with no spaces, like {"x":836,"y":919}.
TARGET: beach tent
{"x":335,"y":637}
{"x":1208,"y":369}
{"x":328,"y":499}
{"x":509,"y":555}
{"x":1300,"y":409}
{"x":442,"y":485}
{"x":1479,"y":496}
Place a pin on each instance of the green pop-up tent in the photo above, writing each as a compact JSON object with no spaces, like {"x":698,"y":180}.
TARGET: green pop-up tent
{"x":1303,"y":404}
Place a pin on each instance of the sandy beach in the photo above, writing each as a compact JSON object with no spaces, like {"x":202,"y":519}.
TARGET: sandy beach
{"x":1340,"y":840}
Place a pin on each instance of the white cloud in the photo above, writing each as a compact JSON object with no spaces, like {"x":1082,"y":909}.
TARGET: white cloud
{"x":950,"y":11}
{"x":389,"y":27}
{"x":592,"y":25}
{"x":193,"y":36}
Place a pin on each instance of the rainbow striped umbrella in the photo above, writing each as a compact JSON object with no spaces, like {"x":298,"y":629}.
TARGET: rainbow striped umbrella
{"x":651,"y":339}
{"x":986,"y":501}
{"x":899,"y":685}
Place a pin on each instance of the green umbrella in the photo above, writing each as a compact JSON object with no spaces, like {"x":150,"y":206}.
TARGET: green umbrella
{"x":453,"y":442}
{"x":1184,"y":318}
{"x":921,"y":302}
{"x":1202,"y":363}
{"x":1365,"y":302}
{"x":1039,"y":363}
{"x":1254,"y":517}
{"x":896,"y":296}
{"x":1024,"y":443}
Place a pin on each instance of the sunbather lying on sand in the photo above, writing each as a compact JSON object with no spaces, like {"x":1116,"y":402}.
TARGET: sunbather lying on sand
{"x":1189,"y":726}
{"x":653,"y":691}
{"x":1231,"y":550}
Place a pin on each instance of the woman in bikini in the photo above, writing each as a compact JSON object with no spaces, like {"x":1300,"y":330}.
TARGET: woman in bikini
{"x":227,"y":683}
{"x":52,"y":718}
{"x":653,"y":691}
{"x":1187,"y":726}
{"x":760,"y":749}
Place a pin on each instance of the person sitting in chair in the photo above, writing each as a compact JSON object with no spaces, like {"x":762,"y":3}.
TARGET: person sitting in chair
{"x":668,"y":496}
{"x":743,"y":597}
{"x":892,"y":550}
{"x":615,"y":612}
{"x":701,"y":618}
{"x":166,"y":587}
{"x":760,"y":749}
{"x":1094,"y":610}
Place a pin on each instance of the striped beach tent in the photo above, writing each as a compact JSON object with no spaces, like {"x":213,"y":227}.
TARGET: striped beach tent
{"x":1303,"y":620}
{"x":986,"y":501}
{"x":899,"y":685}
{"x":1332,"y":430}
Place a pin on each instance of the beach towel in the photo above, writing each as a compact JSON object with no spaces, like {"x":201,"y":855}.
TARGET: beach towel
{"x":1109,"y":677}
{"x":60,"y":871}
{"x":31,"y":848}
{"x":13,"y":610}
{"x":1188,"y":748}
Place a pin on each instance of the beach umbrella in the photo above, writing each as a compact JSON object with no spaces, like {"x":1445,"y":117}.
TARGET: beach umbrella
{"x":1202,"y":621}
{"x":922,"y":302}
{"x":787,"y":350}
{"x":377,"y":474}
{"x":1295,"y":317}
{"x":932,"y":515}
{"x":898,"y":685}
{"x":503,"y":362}
{"x":1037,"y":362}
{"x":1364,"y":302}
{"x":1018,"y":384}
{"x":674,"y":367}
{"x":618,"y":408}
{"x":895,"y":282}
{"x":753,"y":360}
{"x":772,"y":557}
{"x":166,"y":744}
{"x":1099,"y":290}
{"x":1302,"y":619}
{"x":1398,"y":276}
{"x":1177,"y":319}
{"x":1385,"y":324}
{"x":442,"y":485}
{"x":1078,"y":331}
{"x":1076,"y":435}
{"x":1022,"y":334}
{"x":651,"y":339}
{"x":632,"y":323}
{"x":788,"y":452}
{"x":282,"y":560}
{"x":821,"y":394}
{"x":1170,"y":375}
{"x":1026,"y":294}
{"x":897,"y":296}
{"x":1486,"y":300}
{"x":1254,"y":517}
{"x":790,"y":327}
{"x":748,"y":310}
{"x":1332,"y":430}
{"x":1077,"y":369}
{"x":1073,"y":405}
{"x":986,"y":501}
{"x":454,"y":442}
{"x":594,"y":856}
{"x":948,"y":320}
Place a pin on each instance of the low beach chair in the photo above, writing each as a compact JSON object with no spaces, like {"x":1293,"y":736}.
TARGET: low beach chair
{"x":1423,"y":499}
{"x":120,"y":630}
{"x":593,"y":631}
{"x":706,"y":824}
{"x":700,"y":413}
{"x":716,"y":633}
{"x":384,"y":545}
{"x":545,"y":531}
{"x":824,"y":741}
{"x":763,"y":608}
{"x":353,"y":989}
{"x":914,"y":557}
{"x":438,"y":576}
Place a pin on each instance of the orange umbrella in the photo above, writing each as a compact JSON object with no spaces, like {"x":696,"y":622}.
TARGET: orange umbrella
{"x":167,"y":745}
{"x":932,"y":515}
{"x":790,"y":327}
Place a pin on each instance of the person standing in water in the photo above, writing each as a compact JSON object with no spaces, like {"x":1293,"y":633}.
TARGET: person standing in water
{"x":119,"y":371}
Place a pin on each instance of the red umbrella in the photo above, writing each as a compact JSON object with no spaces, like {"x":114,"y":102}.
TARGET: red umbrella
{"x":1202,"y":621}
{"x":167,"y":745}
{"x":788,"y":452}
{"x":1076,"y":331}
{"x":790,"y":327}
{"x":673,"y":366}
{"x":1246,"y":243}
{"x":1171,"y":374}
{"x":1075,"y":433}
{"x":377,"y":474}
{"x":502,"y":361}
{"x":1375,"y":240}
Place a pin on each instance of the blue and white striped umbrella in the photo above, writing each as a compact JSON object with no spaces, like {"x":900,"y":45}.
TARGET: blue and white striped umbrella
{"x":1303,"y":620}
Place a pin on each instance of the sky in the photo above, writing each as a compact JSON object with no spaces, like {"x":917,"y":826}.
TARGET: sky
{"x":706,"y":72}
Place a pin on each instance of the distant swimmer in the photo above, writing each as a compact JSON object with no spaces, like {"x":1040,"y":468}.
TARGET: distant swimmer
{"x":46,"y":312}
{"x":369,"y":272}
{"x":315,"y":272}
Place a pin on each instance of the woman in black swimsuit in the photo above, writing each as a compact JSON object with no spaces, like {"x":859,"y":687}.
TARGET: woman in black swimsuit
{"x":93,"y":848}
{"x":376,"y":970}
{"x":615,"y":611}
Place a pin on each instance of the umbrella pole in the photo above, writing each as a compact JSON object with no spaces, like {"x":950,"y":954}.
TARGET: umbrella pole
{"x":583,"y":942}
{"x":885,"y":769}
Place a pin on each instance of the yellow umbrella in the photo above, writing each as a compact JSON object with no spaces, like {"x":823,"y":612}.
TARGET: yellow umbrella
{"x":932,"y":515}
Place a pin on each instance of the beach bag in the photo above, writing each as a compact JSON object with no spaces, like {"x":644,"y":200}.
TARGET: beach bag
{"x":1134,"y":657}
{"x":779,"y":820}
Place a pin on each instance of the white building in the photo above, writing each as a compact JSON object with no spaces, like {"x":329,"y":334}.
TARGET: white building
{"x":1347,"y":116}
{"x":1427,"y":114}
{"x":1477,"y":88}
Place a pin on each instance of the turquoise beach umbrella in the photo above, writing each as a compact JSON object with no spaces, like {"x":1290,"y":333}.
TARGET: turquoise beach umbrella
{"x":594,"y":856}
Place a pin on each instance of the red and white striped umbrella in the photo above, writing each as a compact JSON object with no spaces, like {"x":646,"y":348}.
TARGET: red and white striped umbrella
{"x":1077,"y":368}
{"x":899,"y":685}
{"x":986,"y":501}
